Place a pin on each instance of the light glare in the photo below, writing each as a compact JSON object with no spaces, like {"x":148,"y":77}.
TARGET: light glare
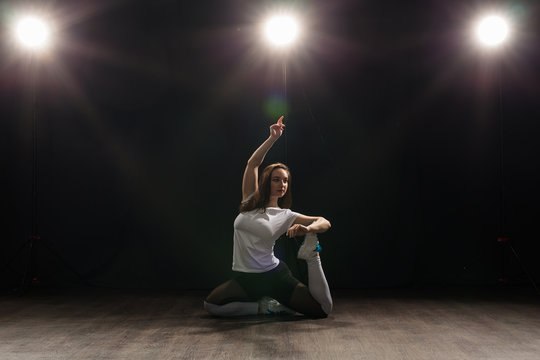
{"x":281,"y":30}
{"x":33,"y":32}
{"x":492,"y":31}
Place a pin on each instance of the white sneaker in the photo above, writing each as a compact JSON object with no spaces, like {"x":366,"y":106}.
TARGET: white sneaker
{"x":310,"y":247}
{"x":271,"y":306}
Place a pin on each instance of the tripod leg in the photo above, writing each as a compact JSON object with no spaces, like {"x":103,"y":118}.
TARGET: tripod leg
{"x":531,"y":279}
{"x":16,"y":255}
{"x":25,"y":283}
{"x":63,"y":261}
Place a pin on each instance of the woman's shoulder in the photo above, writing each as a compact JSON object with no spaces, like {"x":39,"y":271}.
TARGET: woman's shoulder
{"x":278,"y":210}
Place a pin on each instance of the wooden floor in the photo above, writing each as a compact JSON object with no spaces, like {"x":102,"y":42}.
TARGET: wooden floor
{"x":375,"y":324}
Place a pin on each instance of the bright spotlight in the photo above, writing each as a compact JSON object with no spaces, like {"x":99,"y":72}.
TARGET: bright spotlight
{"x":492,"y":30}
{"x":281,"y":30}
{"x":33,"y":32}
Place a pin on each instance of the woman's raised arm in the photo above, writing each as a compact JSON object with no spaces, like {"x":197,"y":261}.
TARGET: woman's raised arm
{"x":251,"y":173}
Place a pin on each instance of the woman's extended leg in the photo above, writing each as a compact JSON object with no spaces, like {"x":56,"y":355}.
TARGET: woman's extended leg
{"x":318,"y":289}
{"x":318,"y":286}
{"x":230,"y":299}
{"x":315,"y":300}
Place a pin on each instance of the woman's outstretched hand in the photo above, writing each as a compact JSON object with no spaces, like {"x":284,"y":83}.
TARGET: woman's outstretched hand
{"x":277,"y":129}
{"x":297,"y":230}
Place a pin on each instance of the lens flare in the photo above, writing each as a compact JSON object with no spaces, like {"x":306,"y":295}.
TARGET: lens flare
{"x":275,"y":106}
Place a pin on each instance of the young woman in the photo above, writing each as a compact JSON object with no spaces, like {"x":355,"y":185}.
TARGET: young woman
{"x":261,"y":283}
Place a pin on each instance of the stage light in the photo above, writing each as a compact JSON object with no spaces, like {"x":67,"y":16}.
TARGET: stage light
{"x":492,"y":30}
{"x":281,"y":30}
{"x":33,"y":32}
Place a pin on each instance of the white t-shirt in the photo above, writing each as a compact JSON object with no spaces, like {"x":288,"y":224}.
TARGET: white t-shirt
{"x":255,"y":233}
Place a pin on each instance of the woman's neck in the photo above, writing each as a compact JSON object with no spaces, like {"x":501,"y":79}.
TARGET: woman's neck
{"x":272,"y":203}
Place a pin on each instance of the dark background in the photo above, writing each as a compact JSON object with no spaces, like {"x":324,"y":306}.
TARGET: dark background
{"x":148,"y":111}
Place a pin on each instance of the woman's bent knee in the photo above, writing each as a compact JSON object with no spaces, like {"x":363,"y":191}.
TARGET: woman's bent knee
{"x":235,"y":308}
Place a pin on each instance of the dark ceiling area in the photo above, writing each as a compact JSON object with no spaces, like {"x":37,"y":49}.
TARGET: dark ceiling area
{"x":418,"y":145}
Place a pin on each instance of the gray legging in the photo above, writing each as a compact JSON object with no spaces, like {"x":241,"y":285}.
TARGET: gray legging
{"x":239,"y":296}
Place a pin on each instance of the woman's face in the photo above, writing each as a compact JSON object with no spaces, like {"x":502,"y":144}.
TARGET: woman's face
{"x":279,"y":182}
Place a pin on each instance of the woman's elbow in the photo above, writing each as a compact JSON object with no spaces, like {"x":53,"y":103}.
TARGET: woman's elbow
{"x":326,"y":223}
{"x":253,"y":163}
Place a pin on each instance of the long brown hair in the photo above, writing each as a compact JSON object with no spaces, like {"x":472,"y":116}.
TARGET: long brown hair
{"x":261,"y":197}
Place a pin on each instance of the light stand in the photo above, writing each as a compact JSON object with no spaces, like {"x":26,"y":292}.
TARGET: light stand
{"x":492,"y":32}
{"x":34,"y":34}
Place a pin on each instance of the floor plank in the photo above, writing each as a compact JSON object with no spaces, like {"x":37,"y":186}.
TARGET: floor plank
{"x":367,"y":324}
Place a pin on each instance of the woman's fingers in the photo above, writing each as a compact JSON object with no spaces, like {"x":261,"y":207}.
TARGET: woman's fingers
{"x":290,"y":231}
{"x":296,"y":230}
{"x":276,"y":129}
{"x":280,"y":123}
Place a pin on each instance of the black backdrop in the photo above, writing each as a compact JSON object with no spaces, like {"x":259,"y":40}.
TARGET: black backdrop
{"x":148,"y":111}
